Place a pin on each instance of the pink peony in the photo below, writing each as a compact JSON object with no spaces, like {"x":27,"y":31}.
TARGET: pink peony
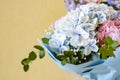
{"x":109,"y":28}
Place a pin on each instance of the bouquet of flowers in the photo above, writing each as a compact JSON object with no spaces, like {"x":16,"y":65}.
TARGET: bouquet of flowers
{"x":85,"y":38}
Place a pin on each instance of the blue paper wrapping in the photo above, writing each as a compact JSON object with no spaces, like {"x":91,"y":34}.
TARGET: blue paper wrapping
{"x":93,"y":70}
{"x":109,"y":70}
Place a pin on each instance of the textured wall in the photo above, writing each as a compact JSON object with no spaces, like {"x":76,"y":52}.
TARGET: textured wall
{"x":21,"y":23}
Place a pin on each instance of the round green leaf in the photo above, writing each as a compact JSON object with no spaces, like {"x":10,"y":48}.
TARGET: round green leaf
{"x":45,"y":40}
{"x":25,"y":61}
{"x":73,"y":60}
{"x":64,"y":62}
{"x":41,"y":53}
{"x":32,"y":55}
{"x":26,"y":68}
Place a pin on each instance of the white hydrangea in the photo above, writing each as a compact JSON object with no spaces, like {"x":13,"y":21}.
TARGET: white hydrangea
{"x":57,"y":40}
{"x":77,"y":27}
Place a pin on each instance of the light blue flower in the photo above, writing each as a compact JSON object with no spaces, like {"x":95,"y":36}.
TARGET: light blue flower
{"x":114,"y":3}
{"x":91,"y":34}
{"x":100,"y":16}
{"x":73,"y":4}
{"x":90,"y":46}
{"x":117,"y":15}
{"x":88,"y":26}
{"x":63,"y":48}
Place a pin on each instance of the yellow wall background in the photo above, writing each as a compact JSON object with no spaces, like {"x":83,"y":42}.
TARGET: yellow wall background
{"x":21,"y":23}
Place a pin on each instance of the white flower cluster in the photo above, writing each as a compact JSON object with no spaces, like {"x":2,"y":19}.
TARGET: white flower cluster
{"x":77,"y":28}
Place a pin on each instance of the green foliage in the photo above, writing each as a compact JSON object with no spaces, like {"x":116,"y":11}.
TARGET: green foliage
{"x":64,"y":62}
{"x":108,"y":40}
{"x":67,"y":57}
{"x":26,"y":68}
{"x":41,"y":54}
{"x":107,"y":49}
{"x":115,"y":44}
{"x":45,"y":40}
{"x":74,"y":60}
{"x":76,"y":2}
{"x":68,"y":53}
{"x":32,"y":56}
{"x":38,"y":47}
{"x":80,"y":55}
{"x":25,"y":61}
{"x":104,"y":2}
{"x":61,"y":57}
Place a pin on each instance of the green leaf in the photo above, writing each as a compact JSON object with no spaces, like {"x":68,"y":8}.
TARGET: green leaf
{"x":25,"y":61}
{"x":74,"y":60}
{"x":110,"y":52}
{"x":45,"y":40}
{"x":80,"y":55}
{"x":38,"y":47}
{"x":26,"y":68}
{"x":32,"y":55}
{"x":41,"y":53}
{"x":68,"y":53}
{"x":103,"y":2}
{"x":102,"y":50}
{"x":108,"y":40}
{"x":64,"y":62}
{"x":106,"y":51}
{"x":76,"y":2}
{"x":61,"y":57}
{"x":114,"y":44}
